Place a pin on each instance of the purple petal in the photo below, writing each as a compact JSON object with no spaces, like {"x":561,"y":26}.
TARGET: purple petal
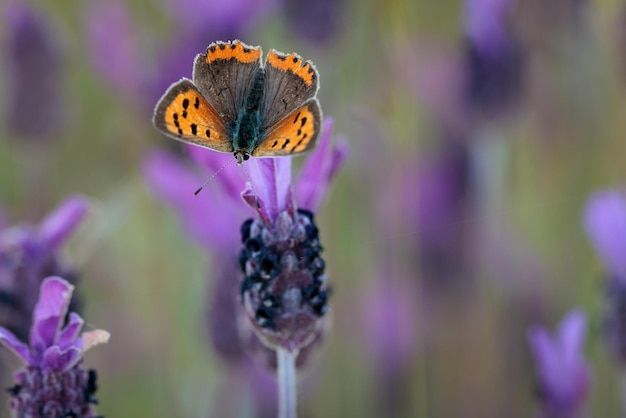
{"x":61,"y":360}
{"x":485,"y":22}
{"x":70,"y":333}
{"x":319,"y":170}
{"x":563,"y":371}
{"x":571,"y":334}
{"x":49,"y":313}
{"x":208,"y":217}
{"x":20,"y":349}
{"x":230,"y":177}
{"x":605,"y":224}
{"x":56,"y":228}
{"x":271,"y":180}
{"x":113,"y":44}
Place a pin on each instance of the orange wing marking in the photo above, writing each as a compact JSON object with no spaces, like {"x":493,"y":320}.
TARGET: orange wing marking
{"x":294,"y":134}
{"x":293,"y":63}
{"x":232,"y":50}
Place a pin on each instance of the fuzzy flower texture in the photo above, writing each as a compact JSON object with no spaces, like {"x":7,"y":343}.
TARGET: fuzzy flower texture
{"x":52,"y":383}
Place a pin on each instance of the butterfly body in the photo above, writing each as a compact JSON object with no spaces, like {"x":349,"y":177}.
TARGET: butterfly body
{"x":234,"y":104}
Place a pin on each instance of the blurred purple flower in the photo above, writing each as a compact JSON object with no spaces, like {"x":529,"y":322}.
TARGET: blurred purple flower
{"x":220,"y":17}
{"x":114,"y":46}
{"x":52,"y":383}
{"x":564,"y":375}
{"x":493,"y":58}
{"x":389,"y":313}
{"x":605,"y":224}
{"x":33,"y":69}
{"x":440,"y":207}
{"x":28,"y":254}
{"x":315,"y":20}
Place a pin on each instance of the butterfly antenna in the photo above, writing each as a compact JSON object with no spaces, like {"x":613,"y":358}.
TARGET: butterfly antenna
{"x":211,"y":178}
{"x":256,"y":197}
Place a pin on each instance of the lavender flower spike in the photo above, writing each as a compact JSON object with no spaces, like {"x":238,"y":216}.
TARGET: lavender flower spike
{"x":564,"y":375}
{"x":52,"y":383}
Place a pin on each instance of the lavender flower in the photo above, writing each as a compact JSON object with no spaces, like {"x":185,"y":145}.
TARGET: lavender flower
{"x":33,"y":66}
{"x":285,"y":291}
{"x":564,"y":375}
{"x":30,"y":253}
{"x":116,"y":52}
{"x":208,"y":217}
{"x":52,"y":383}
{"x":494,"y":59}
{"x":605,"y":224}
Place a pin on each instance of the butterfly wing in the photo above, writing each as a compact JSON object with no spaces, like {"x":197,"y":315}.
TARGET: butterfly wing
{"x":294,"y":134}
{"x":185,"y":115}
{"x":225,"y":74}
{"x":289,"y":83}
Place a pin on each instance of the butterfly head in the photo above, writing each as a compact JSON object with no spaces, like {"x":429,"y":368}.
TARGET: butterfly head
{"x":241,"y":156}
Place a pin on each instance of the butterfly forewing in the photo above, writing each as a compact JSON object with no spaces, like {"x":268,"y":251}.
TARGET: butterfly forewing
{"x":294,"y":134}
{"x":184,"y":114}
{"x":225,"y":75}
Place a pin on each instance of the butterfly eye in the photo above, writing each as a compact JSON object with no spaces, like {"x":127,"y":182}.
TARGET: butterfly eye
{"x":246,"y":157}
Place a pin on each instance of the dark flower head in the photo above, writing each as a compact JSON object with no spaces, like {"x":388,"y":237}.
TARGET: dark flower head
{"x":493,"y":58}
{"x":33,"y":67}
{"x":30,"y":253}
{"x":564,"y":375}
{"x":285,"y":291}
{"x":52,"y":383}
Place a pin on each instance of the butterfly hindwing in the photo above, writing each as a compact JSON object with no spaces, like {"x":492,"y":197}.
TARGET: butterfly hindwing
{"x":184,"y":114}
{"x":289,"y":82}
{"x":225,"y":75}
{"x":294,"y":134}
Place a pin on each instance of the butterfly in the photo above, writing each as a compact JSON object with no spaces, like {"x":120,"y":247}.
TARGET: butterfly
{"x":235,"y":104}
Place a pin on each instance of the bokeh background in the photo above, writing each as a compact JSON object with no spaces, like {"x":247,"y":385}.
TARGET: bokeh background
{"x":477,"y":131}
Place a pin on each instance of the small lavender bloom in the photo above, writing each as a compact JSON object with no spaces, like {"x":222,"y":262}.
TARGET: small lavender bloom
{"x":52,"y":383}
{"x":494,"y":58}
{"x":605,"y":224}
{"x":285,"y":290}
{"x":33,"y":67}
{"x":30,"y":253}
{"x":564,"y":375}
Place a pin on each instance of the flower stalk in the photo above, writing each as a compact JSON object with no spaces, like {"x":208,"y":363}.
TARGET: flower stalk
{"x":287,"y":383}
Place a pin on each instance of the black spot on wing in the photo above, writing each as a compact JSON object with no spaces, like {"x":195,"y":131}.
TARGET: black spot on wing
{"x":286,"y":143}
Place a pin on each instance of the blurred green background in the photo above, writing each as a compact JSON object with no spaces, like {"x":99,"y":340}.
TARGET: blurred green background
{"x":511,"y":252}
